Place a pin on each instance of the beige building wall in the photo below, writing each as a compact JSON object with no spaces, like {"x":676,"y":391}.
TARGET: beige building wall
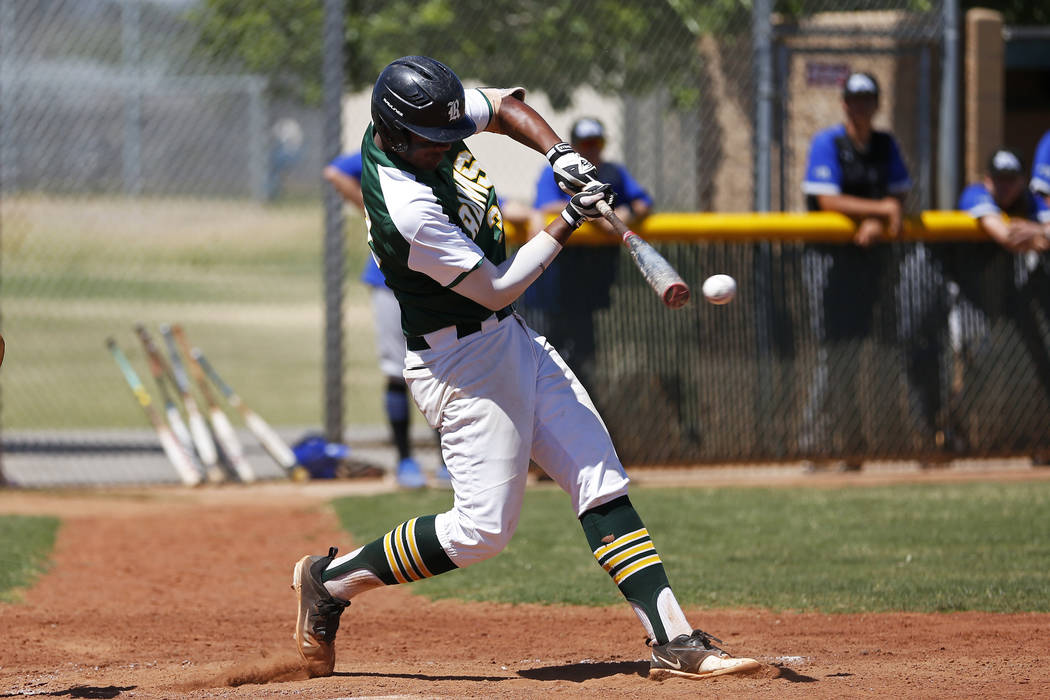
{"x":727,"y":134}
{"x":812,"y":106}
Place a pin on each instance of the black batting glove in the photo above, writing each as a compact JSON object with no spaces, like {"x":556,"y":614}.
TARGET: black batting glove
{"x":584,"y":205}
{"x":572,"y":171}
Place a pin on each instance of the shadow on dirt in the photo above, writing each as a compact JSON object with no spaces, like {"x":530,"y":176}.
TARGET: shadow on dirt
{"x":418,"y":676}
{"x":578,"y":673}
{"x":787,"y":674}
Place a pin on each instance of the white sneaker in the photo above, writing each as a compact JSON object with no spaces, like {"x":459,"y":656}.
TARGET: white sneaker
{"x":694,"y":656}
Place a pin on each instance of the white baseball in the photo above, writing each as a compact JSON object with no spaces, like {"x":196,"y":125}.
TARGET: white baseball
{"x":719,"y":289}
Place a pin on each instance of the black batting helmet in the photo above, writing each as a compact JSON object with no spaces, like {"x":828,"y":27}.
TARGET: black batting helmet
{"x":420,"y":95}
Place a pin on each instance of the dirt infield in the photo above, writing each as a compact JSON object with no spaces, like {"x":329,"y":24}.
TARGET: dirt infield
{"x":185,"y":594}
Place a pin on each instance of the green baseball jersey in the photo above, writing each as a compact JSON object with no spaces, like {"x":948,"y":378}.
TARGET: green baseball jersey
{"x":429,"y":229}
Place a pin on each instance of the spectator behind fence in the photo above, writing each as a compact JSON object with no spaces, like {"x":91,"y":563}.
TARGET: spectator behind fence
{"x":1027,"y":232}
{"x":564,"y":300}
{"x":970,"y":287}
{"x":1040,"y":183}
{"x":1003,"y":191}
{"x":344,"y":174}
{"x":855,"y":170}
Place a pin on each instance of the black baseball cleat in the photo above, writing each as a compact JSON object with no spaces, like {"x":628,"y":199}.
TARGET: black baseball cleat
{"x":319,"y":613}
{"x":694,"y":656}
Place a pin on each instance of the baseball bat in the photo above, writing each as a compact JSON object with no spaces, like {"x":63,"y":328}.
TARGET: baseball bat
{"x":267,"y":437}
{"x":162,"y":375}
{"x":224,"y":432}
{"x":209,"y":456}
{"x":176,"y":453}
{"x":663,"y":278}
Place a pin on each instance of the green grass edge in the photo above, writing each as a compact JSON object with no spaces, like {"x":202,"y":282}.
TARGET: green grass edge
{"x":908,"y":548}
{"x":26,"y":543}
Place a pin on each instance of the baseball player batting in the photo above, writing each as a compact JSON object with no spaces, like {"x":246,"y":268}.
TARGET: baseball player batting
{"x":496,"y":390}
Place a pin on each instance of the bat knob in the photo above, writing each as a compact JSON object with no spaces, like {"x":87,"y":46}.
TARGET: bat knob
{"x":677,"y":295}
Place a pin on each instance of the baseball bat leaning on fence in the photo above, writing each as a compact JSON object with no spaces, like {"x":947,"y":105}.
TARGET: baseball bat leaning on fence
{"x":209,"y":456}
{"x":161,"y":375}
{"x":224,"y":433}
{"x":667,"y":283}
{"x":267,"y":437}
{"x":175,"y":452}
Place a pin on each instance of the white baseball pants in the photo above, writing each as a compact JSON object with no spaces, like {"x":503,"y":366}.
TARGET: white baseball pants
{"x":499,"y":397}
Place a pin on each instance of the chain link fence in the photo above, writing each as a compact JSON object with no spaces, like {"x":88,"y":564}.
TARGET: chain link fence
{"x":160,"y":162}
{"x":897,"y":352}
{"x":146,"y":178}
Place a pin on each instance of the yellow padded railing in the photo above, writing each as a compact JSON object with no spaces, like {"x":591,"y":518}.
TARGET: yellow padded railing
{"x":819,"y":227}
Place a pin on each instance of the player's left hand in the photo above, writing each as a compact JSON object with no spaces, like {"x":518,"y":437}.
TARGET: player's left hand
{"x":584,"y":205}
{"x":868,"y":231}
{"x":572,"y":171}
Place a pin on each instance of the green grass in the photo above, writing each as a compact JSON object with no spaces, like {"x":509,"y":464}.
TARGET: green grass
{"x":920,"y":548}
{"x":25,"y":543}
{"x":244,"y":279}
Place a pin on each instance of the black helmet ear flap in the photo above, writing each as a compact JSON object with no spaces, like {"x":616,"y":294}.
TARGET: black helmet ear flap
{"x":394,"y":139}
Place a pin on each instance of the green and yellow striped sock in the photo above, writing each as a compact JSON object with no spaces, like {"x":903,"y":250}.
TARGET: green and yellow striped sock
{"x":622,"y":545}
{"x":409,"y":552}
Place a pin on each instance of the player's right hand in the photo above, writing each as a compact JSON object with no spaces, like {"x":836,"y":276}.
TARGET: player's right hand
{"x":572,"y":171}
{"x":1026,"y":236}
{"x":584,"y":205}
{"x":894,"y":212}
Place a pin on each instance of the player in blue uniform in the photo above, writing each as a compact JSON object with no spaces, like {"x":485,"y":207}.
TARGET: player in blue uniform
{"x":1020,"y":268}
{"x":1003,"y":191}
{"x":982,"y":282}
{"x":856,"y":170}
{"x":1040,"y":183}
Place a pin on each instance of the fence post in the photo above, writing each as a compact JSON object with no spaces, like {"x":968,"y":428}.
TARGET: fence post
{"x":131,"y":60}
{"x":923,"y":141}
{"x":948,"y":143}
{"x":8,"y":146}
{"x":259,"y":138}
{"x":334,"y":244}
{"x":762,"y":31}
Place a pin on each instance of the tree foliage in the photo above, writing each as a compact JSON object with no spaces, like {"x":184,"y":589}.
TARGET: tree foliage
{"x":552,"y":46}
{"x":280,"y":39}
